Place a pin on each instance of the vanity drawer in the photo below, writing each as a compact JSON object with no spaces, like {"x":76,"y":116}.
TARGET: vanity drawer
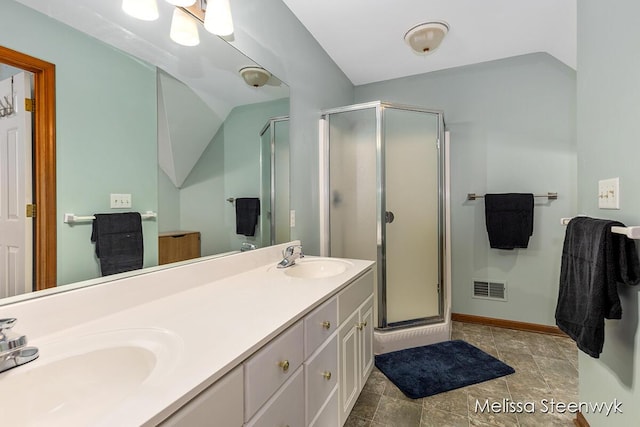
{"x":319,"y":325}
{"x":221,"y":402}
{"x":354,"y":295}
{"x":321,"y":373}
{"x":271,"y":366}
{"x":286,"y":407}
{"x":328,"y":416}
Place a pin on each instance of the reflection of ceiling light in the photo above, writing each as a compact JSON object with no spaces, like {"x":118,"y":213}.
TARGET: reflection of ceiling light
{"x":214,"y":14}
{"x":217,"y":19}
{"x":182,"y":3}
{"x":147,"y":10}
{"x":184,"y":30}
{"x":425,"y":38}
{"x":255,"y":76}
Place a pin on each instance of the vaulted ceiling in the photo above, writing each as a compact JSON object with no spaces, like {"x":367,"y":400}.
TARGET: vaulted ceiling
{"x":365,"y":38}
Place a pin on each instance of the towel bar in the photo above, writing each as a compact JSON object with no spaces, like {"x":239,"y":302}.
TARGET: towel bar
{"x":70,"y":218}
{"x":550,"y":196}
{"x":630,"y":232}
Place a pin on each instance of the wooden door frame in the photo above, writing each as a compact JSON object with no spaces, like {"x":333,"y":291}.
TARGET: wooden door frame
{"x":44,"y":163}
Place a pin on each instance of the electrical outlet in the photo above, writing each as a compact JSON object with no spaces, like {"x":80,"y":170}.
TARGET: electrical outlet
{"x":120,"y":201}
{"x":609,"y":193}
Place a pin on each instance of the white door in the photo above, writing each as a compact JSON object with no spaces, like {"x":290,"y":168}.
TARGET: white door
{"x":16,"y":230}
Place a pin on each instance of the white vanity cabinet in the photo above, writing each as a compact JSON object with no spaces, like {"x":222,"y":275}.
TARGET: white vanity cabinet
{"x":321,"y":364}
{"x":220,"y":404}
{"x":355,"y":341}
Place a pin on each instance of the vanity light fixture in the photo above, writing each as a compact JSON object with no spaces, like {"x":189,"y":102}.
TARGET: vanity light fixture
{"x":425,"y":38}
{"x":255,"y":76}
{"x":182,"y":3}
{"x":184,"y":30}
{"x":217,"y":18}
{"x":146,"y":10}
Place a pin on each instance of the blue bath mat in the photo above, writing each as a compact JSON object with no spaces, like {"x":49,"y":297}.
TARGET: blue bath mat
{"x":436,"y":368}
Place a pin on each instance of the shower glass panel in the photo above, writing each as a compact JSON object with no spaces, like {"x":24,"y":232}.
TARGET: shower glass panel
{"x":265,"y":186}
{"x":386,"y":203}
{"x":411,"y":195}
{"x":274,"y":176}
{"x":353,"y":184}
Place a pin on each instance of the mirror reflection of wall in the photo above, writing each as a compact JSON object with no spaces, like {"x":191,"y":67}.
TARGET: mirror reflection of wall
{"x":228,"y":168}
{"x":108,"y":128}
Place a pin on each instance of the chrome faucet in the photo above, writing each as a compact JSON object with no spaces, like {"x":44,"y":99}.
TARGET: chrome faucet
{"x":13,"y":347}
{"x":246,"y":246}
{"x":290,"y":256}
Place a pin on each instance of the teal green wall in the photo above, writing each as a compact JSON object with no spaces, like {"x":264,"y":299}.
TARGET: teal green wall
{"x":512,"y":125}
{"x":228,"y":168}
{"x":106,"y":130}
{"x":608,"y":133}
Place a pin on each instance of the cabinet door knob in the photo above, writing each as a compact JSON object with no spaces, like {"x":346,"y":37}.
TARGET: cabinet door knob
{"x":326,"y":375}
{"x":326,"y":324}
{"x":284,"y":365}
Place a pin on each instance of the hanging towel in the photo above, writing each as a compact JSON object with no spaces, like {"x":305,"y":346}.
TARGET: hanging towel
{"x":247,"y":211}
{"x":594,"y":260}
{"x":509,"y":219}
{"x":118,"y":239}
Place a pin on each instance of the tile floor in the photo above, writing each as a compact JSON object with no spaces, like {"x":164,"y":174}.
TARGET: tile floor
{"x":545,"y":365}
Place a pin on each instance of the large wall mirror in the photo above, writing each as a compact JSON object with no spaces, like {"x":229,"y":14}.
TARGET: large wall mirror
{"x":175,"y":127}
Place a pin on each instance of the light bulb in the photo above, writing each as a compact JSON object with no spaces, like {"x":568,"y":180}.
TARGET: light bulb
{"x":217,"y":18}
{"x":146,"y":10}
{"x":184,"y":29}
{"x":182,"y":3}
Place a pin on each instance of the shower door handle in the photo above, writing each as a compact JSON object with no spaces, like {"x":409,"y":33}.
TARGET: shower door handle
{"x":389,"y":217}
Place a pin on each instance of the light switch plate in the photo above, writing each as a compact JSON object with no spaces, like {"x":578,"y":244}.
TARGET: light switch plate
{"x":292,"y":218}
{"x":609,"y":193}
{"x":120,"y":201}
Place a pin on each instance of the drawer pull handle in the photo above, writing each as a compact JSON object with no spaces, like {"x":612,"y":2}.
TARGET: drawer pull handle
{"x":326,"y":324}
{"x":361,"y":326}
{"x":326,"y":375}
{"x":284,"y":365}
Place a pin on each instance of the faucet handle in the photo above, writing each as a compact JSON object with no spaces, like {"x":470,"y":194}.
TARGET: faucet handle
{"x":290,"y":250}
{"x":7,"y":323}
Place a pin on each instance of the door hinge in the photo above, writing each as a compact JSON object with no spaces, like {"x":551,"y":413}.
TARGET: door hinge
{"x":30,"y":105}
{"x":31,"y":211}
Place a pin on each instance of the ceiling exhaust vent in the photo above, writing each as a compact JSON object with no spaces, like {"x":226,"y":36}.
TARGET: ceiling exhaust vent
{"x":490,"y":290}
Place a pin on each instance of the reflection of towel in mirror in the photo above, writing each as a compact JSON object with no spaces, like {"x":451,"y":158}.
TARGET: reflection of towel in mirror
{"x":118,"y":239}
{"x":509,"y":219}
{"x":594,"y":261}
{"x":247,"y":211}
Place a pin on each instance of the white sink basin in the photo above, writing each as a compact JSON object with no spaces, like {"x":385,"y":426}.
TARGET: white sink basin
{"x":77,"y":381}
{"x":317,"y":268}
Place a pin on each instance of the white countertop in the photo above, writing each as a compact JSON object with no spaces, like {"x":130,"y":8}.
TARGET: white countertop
{"x":204,"y":332}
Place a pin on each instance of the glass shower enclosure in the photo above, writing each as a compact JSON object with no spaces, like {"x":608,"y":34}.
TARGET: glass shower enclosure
{"x":384,"y":201}
{"x":274,"y":178}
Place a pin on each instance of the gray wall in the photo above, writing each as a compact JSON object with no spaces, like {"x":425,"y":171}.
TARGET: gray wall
{"x":608,"y":133}
{"x":512,"y":126}
{"x":267,"y":32}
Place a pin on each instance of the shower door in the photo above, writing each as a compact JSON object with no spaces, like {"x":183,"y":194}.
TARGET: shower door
{"x":411,"y":233}
{"x":385,"y":169}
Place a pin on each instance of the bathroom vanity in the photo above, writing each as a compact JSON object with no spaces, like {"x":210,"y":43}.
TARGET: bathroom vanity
{"x":231,"y":341}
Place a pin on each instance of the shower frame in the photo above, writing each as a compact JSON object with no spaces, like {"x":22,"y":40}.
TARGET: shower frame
{"x":442,"y":174}
{"x":270,"y":126}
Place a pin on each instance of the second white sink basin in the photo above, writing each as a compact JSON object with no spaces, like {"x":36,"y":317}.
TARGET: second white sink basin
{"x":317,"y":268}
{"x":77,"y":381}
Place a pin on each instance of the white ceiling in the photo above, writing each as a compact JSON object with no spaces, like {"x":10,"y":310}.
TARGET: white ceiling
{"x":365,"y":38}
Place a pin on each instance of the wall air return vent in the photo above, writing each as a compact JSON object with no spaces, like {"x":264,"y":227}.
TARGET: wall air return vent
{"x":490,"y":290}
